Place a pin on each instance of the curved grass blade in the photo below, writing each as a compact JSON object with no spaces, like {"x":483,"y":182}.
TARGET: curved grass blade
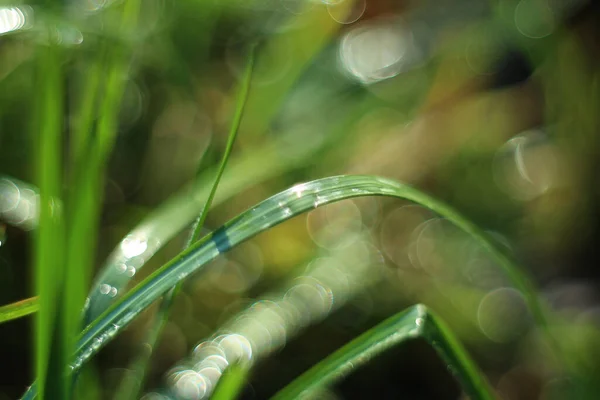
{"x":131,"y":387}
{"x":259,"y":165}
{"x":271,"y":212}
{"x":19,"y":309}
{"x":415,"y":322}
{"x":161,"y":225}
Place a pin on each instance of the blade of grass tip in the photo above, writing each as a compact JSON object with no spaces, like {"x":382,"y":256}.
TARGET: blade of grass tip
{"x":271,"y":212}
{"x":449,"y":348}
{"x":130,"y":388}
{"x":231,"y":383}
{"x":415,"y":322}
{"x":19,"y":309}
{"x":387,"y":334}
{"x":51,"y":357}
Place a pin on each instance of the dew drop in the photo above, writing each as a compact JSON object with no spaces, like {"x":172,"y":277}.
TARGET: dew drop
{"x":112,"y":330}
{"x":97,"y":344}
{"x":121,"y":268}
{"x":86,"y":354}
{"x":104,"y":288}
{"x":182,"y":276}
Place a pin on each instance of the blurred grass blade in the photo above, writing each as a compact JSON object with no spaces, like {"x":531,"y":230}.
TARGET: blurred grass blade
{"x":130,"y":388}
{"x":51,"y":356}
{"x":89,"y":156}
{"x":90,"y":153}
{"x":311,"y":30}
{"x":231,"y":383}
{"x":19,"y":309}
{"x":415,"y":322}
{"x":271,"y":212}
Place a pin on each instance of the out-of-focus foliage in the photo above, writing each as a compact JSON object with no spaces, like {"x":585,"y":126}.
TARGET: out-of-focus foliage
{"x":491,"y":106}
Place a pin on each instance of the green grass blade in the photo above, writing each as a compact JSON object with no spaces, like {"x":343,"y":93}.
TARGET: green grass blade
{"x":231,"y":383}
{"x":49,"y":247}
{"x":271,"y":212}
{"x":415,"y":322}
{"x":19,"y":309}
{"x":279,"y":208}
{"x":255,"y":166}
{"x":448,"y":347}
{"x":130,"y":388}
{"x":389,"y":333}
{"x":260,"y":164}
{"x":89,"y":156}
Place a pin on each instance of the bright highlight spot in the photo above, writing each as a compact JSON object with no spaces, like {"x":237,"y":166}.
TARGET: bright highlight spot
{"x":133,"y":246}
{"x":374,"y":52}
{"x":13,"y":18}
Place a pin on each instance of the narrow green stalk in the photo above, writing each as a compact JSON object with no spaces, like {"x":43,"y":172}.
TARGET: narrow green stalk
{"x":235,"y":126}
{"x":415,"y":322}
{"x":51,"y":355}
{"x":19,"y":309}
{"x":130,"y":388}
{"x":231,"y":383}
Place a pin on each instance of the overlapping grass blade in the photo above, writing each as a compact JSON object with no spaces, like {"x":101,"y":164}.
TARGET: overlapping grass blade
{"x":415,"y":322}
{"x":19,"y":309}
{"x":130,"y":388}
{"x":161,"y":225}
{"x":257,"y":165}
{"x":279,"y":208}
{"x":271,"y":212}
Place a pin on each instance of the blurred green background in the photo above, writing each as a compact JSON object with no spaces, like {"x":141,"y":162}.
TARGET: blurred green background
{"x":491,"y":106}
